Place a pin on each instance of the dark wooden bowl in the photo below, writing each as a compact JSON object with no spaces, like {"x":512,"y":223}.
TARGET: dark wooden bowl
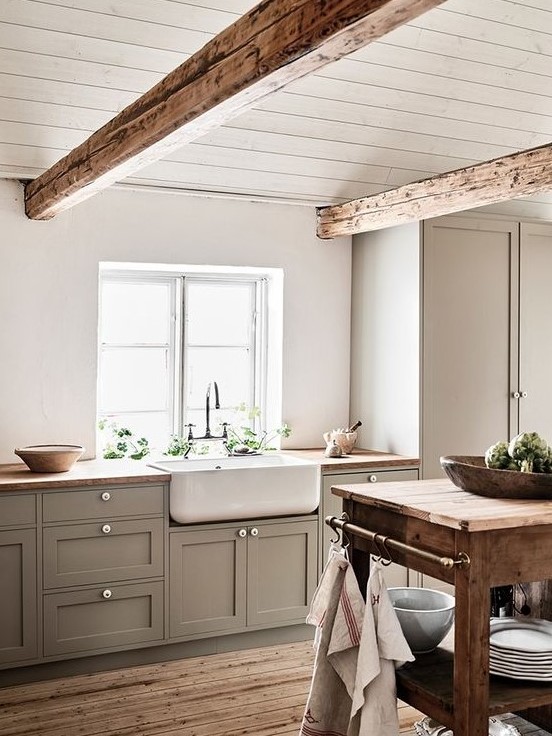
{"x":470,"y":473}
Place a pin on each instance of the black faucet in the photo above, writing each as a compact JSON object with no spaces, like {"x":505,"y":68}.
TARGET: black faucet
{"x":208,"y":435}
{"x":208,"y":407}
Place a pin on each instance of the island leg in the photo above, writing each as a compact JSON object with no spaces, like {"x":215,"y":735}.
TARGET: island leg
{"x":471,"y":639}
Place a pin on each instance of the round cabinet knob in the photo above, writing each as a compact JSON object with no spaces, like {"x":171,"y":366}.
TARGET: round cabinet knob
{"x":106,"y":496}
{"x":254,"y":532}
{"x":242,"y":533}
{"x":373,"y":478}
{"x":106,"y":594}
{"x":524,"y":394}
{"x":516,"y":395}
{"x":106,"y":528}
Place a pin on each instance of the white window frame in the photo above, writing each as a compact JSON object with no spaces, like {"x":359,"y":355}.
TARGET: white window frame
{"x":258,"y":343}
{"x":176,"y":348}
{"x":172,"y":346}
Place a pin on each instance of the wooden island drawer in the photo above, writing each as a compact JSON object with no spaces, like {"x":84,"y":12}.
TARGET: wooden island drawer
{"x":101,"y":503}
{"x":82,"y":554}
{"x":17,"y":509}
{"x":111,"y":616}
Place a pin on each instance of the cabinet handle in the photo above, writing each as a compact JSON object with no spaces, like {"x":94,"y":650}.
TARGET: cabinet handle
{"x":516,"y":395}
{"x":106,"y":496}
{"x":106,"y":528}
{"x":524,"y":394}
{"x":373,"y":478}
{"x":106,"y":594}
{"x":254,"y":532}
{"x":242,"y":533}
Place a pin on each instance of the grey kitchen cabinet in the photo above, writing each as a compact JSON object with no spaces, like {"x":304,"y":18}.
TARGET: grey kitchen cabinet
{"x":207,"y":573}
{"x":102,"y":618}
{"x":80,"y":554}
{"x":395,"y":575}
{"x":233,"y":576}
{"x":103,"y":578}
{"x":102,"y":502}
{"x":281,"y":571}
{"x":18,"y":593}
{"x":487,"y":306}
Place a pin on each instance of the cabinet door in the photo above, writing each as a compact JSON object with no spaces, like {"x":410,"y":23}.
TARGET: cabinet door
{"x":281,"y":571}
{"x":535,"y":409}
{"x":207,"y":581}
{"x":18,"y":611}
{"x":470,"y":327}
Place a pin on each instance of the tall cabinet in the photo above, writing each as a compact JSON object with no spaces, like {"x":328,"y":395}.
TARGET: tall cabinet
{"x":451,"y":323}
{"x":485,"y":357}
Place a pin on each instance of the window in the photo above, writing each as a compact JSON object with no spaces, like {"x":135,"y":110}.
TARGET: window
{"x":164,"y":337}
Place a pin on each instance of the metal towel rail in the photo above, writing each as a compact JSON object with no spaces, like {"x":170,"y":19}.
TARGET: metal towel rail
{"x":386,"y":543}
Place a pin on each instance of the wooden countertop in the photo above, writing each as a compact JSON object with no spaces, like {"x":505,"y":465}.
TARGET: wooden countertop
{"x":18,"y":477}
{"x":120,"y":472}
{"x":440,"y":502}
{"x":358,"y":460}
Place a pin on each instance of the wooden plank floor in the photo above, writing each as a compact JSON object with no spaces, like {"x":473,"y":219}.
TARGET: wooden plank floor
{"x":258,"y":692}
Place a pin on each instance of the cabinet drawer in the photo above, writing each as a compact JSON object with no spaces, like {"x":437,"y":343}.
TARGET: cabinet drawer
{"x":113,"y":616}
{"x":83,"y":554}
{"x":103,"y":502}
{"x":17,"y":509}
{"x":377,"y":476}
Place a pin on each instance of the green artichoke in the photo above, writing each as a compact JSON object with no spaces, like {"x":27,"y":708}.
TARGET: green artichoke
{"x":530,"y":452}
{"x":497,"y":457}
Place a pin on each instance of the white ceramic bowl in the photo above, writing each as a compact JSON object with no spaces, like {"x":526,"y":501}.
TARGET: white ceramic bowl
{"x":425,"y":616}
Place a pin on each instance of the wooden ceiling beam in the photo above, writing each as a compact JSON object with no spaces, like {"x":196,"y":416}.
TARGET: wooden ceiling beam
{"x":274,"y":44}
{"x":517,"y":175}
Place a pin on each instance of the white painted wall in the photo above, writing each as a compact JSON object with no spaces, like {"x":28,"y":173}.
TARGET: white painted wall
{"x":386,"y":338}
{"x":49,"y":302}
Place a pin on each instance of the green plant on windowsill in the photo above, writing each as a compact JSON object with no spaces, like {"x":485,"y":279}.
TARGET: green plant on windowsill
{"x":242,"y":439}
{"x":182,"y":447}
{"x":123,"y":443}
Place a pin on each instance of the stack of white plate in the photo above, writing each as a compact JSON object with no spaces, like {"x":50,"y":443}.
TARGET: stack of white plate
{"x":521,"y":649}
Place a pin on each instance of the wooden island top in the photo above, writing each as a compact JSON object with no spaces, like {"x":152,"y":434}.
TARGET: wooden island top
{"x":440,"y":502}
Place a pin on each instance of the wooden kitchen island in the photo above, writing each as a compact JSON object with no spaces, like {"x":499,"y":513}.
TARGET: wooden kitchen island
{"x":507,"y":541}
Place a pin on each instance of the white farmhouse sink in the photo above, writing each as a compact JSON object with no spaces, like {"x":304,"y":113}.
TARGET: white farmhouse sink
{"x":223,"y":488}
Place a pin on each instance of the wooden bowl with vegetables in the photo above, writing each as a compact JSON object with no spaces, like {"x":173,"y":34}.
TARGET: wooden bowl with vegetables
{"x":521,"y":468}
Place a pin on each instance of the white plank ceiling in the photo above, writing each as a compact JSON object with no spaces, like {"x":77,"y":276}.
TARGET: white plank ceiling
{"x":466,"y":82}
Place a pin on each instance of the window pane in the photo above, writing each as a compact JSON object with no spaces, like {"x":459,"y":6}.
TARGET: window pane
{"x":135,"y":313}
{"x":229,"y":367}
{"x":219,"y":313}
{"x":154,"y":426}
{"x":133,"y":379}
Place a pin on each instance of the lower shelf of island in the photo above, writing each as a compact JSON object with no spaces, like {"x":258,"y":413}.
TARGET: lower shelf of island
{"x":427,"y":684}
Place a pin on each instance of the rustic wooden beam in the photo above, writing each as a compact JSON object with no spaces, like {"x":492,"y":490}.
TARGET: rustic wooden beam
{"x":274,"y":44}
{"x":517,"y":175}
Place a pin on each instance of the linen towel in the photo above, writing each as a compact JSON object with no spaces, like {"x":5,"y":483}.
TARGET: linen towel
{"x":337,"y":611}
{"x":382,"y":649}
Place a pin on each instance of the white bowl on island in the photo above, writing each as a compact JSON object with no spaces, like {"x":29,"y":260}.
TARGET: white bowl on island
{"x":425,"y":616}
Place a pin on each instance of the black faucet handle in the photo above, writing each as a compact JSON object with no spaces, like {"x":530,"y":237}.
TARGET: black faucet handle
{"x":190,"y":432}
{"x":225,"y":430}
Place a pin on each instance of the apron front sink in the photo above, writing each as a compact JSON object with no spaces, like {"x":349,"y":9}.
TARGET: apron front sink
{"x":219,"y":489}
